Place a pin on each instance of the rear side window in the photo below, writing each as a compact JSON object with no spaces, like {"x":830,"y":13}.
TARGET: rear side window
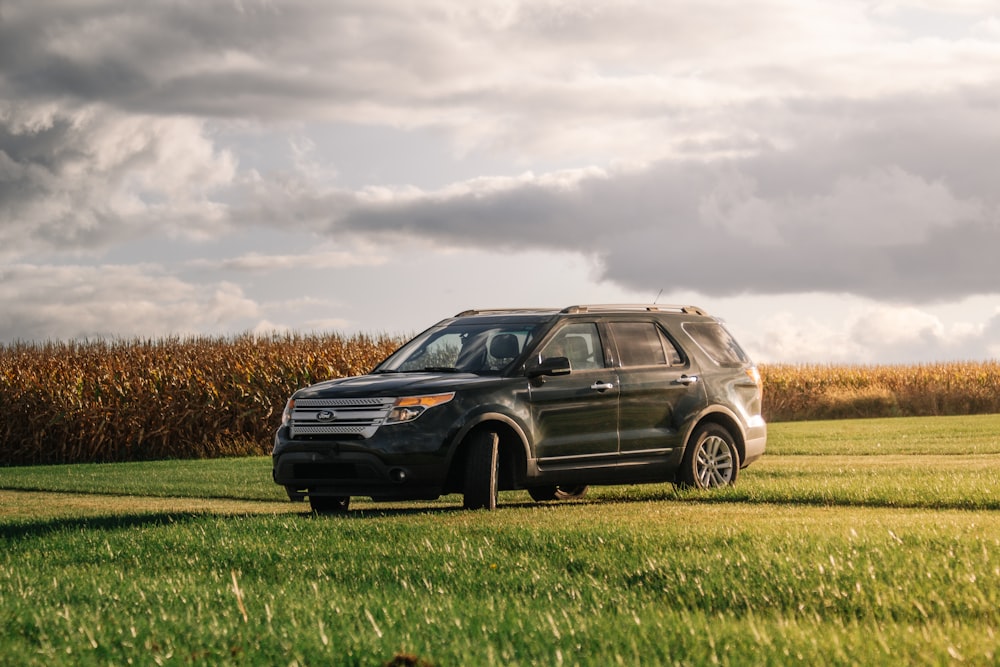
{"x":717,"y":343}
{"x":643,"y":344}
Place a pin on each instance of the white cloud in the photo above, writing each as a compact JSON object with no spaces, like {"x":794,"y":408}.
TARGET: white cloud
{"x":896,"y":326}
{"x":254,"y":262}
{"x":67,"y":302}
{"x":86,"y":178}
{"x":327,"y":324}
{"x":988,"y":28}
{"x":789,"y":338}
{"x":870,"y":334}
{"x":267,"y":327}
{"x":904,"y":333}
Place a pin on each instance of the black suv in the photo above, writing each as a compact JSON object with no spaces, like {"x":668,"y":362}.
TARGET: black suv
{"x":544,"y":400}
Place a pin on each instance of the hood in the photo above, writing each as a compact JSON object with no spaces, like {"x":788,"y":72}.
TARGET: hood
{"x":395,"y":384}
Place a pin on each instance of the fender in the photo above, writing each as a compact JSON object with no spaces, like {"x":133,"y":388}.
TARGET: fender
{"x":728,"y":418}
{"x":483,"y":415}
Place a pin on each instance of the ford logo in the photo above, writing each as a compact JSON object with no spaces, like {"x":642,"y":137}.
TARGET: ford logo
{"x":326,"y":415}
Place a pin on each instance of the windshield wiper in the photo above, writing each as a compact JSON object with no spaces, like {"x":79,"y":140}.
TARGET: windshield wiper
{"x":442,"y":369}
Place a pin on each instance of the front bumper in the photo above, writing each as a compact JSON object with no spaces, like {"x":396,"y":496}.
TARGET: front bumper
{"x":346,"y":468}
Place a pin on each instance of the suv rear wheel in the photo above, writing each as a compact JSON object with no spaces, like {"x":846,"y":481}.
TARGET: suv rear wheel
{"x":481,"y":470}
{"x":711,"y":459}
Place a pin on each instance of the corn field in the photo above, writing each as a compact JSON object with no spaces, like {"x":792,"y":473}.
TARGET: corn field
{"x":210,"y":397}
{"x":170,"y":398}
{"x":794,"y":393}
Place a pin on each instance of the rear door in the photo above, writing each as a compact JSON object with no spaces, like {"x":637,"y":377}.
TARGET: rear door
{"x":658,"y":389}
{"x":575,"y":416}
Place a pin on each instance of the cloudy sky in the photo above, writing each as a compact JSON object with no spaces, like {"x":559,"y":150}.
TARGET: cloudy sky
{"x":824,"y":174}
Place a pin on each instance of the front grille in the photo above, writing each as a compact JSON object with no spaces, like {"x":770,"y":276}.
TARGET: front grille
{"x":339,"y":416}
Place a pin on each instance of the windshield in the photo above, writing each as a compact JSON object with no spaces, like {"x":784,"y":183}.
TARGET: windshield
{"x":485,"y":348}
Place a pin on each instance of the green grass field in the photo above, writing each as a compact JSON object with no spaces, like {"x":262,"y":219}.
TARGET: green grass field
{"x":850,"y":542}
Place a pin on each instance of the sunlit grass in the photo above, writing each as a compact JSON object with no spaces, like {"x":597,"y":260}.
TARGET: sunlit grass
{"x":621,"y":582}
{"x":817,"y":556}
{"x":246,"y":478}
{"x":917,"y":462}
{"x":960,"y":434}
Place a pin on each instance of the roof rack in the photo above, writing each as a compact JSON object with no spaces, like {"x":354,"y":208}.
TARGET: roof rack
{"x":591,"y":308}
{"x":496,"y":311}
{"x":652,"y":307}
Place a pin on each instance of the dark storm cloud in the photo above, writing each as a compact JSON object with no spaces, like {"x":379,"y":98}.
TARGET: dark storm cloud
{"x":243,"y":59}
{"x":877,"y":211}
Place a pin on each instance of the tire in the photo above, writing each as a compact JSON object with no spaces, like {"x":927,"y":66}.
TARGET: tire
{"x":481,"y":471}
{"x":329,"y":504}
{"x":711,"y":459}
{"x":553,"y":492}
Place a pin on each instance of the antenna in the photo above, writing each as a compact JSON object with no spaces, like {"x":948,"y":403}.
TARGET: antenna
{"x":658,"y":295}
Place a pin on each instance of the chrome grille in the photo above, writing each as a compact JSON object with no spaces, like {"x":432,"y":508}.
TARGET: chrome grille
{"x":339,"y":416}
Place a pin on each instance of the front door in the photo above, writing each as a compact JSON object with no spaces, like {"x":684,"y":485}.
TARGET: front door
{"x":575,"y":416}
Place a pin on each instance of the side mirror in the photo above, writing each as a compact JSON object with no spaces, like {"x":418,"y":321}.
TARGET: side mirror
{"x":549,"y":366}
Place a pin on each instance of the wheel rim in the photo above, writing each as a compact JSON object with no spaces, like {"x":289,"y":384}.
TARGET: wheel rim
{"x":715,"y":462}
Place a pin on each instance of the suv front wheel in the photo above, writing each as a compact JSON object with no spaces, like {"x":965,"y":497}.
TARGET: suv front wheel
{"x":481,"y":470}
{"x":711,"y":459}
{"x":329,"y":504}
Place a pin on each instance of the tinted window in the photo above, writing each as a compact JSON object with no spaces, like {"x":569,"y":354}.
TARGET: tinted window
{"x":673,"y":356}
{"x":580,"y":343}
{"x":643,"y":344}
{"x":717,"y":343}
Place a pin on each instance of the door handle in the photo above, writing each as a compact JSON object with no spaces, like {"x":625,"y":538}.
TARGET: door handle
{"x":686,"y":379}
{"x":602,"y":386}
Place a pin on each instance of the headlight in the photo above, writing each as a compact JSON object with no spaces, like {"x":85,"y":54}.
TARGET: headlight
{"x":409,"y":408}
{"x":286,"y":416}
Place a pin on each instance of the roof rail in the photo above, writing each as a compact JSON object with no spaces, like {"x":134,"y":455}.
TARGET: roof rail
{"x":652,"y":307}
{"x":495,"y":311}
{"x":590,"y":308}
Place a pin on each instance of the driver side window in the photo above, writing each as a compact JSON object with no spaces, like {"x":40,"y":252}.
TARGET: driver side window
{"x":580,"y":343}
